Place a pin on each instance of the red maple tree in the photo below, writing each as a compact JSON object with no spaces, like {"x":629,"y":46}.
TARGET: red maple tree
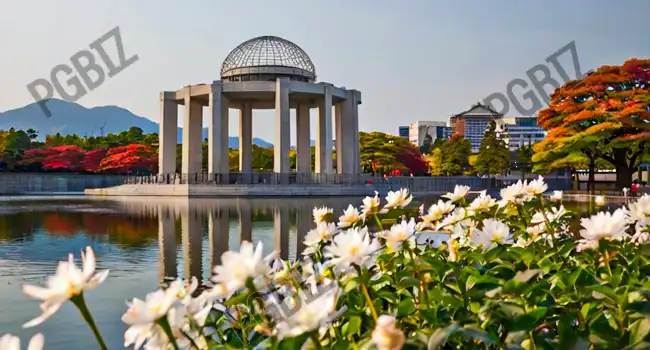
{"x":411,"y":158}
{"x":93,"y":158}
{"x":130,"y":159}
{"x":60,"y":158}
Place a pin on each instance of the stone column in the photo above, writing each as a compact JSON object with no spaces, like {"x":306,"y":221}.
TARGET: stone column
{"x":167,"y":245}
{"x":246,"y":140}
{"x":218,"y":234}
{"x":168,"y":135}
{"x":192,"y":232}
{"x":303,"y":144}
{"x":245,"y":218}
{"x":324,"y":134}
{"x":355,"y":138}
{"x":192,"y":135}
{"x":282,"y":128}
{"x":281,"y":230}
{"x":340,"y":142}
{"x":347,"y":136}
{"x":218,"y":132}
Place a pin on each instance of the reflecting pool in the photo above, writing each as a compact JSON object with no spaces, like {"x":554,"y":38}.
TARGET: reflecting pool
{"x":143,"y":241}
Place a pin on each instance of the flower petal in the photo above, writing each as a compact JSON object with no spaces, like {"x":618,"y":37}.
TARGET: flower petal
{"x":46,"y":314}
{"x":88,"y":260}
{"x":97,"y":279}
{"x":37,"y":292}
{"x":37,"y":342}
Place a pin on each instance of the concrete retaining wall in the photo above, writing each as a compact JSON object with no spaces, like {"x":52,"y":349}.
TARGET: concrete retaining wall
{"x":232,"y":190}
{"x":31,"y":183}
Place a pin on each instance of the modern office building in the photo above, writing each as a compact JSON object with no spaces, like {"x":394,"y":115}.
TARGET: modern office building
{"x":403,"y":131}
{"x":473,"y":122}
{"x":423,"y":133}
{"x":521,"y":131}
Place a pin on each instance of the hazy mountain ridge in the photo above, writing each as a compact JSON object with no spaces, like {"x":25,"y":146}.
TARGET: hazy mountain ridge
{"x":72,"y":118}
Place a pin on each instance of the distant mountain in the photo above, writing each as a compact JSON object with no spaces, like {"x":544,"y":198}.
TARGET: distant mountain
{"x":72,"y":118}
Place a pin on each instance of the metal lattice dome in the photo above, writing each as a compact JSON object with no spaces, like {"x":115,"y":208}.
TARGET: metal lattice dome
{"x":266,"y":58}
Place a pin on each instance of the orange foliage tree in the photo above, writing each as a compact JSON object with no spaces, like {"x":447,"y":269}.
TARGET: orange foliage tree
{"x":604,"y":115}
{"x":134,"y":158}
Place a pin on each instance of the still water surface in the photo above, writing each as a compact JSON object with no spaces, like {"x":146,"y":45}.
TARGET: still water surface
{"x":142,"y":241}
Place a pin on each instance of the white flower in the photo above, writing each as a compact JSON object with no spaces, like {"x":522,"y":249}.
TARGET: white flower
{"x":352,"y":246}
{"x":371,"y":205}
{"x":493,"y":232}
{"x":459,"y":193}
{"x":640,"y":209}
{"x":536,"y":187}
{"x":557,"y":196}
{"x":142,"y":315}
{"x":386,"y":336}
{"x":322,"y":233}
{"x":312,"y":314}
{"x":237,"y":267}
{"x":516,"y":193}
{"x":398,"y":199}
{"x":68,"y":282}
{"x":155,"y":306}
{"x":399,"y":233}
{"x":458,"y":214}
{"x":436,"y":211}
{"x":482,"y":202}
{"x":610,"y":226}
{"x":12,"y":342}
{"x":321,"y":214}
{"x":350,"y":216}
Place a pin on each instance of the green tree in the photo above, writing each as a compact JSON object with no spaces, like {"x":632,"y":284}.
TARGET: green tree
{"x":455,"y":154}
{"x":493,"y":155}
{"x":435,"y":161}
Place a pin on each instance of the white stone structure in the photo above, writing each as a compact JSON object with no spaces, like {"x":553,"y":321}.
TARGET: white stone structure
{"x":262,"y":73}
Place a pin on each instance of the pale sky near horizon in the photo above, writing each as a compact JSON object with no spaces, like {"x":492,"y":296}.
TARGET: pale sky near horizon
{"x":412,"y":60}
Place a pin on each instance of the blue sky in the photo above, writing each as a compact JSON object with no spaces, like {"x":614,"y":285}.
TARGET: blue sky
{"x":412,"y":60}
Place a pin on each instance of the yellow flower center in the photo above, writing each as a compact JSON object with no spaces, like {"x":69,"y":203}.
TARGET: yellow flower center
{"x":354,"y":250}
{"x":496,"y":237}
{"x":402,"y":236}
{"x":323,"y":235}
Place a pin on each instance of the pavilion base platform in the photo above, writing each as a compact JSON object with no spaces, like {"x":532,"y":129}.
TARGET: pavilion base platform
{"x":200,"y":190}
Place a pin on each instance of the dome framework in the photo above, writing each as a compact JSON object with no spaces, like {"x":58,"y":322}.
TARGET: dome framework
{"x":266,"y":58}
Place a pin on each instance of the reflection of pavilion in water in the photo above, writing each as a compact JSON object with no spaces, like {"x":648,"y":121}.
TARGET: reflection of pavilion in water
{"x":194,"y":213}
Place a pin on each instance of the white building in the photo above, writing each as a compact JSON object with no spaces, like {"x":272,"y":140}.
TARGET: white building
{"x":426,"y":131}
{"x":521,"y":131}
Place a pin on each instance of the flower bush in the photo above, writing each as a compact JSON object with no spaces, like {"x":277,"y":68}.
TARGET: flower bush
{"x":509,"y":274}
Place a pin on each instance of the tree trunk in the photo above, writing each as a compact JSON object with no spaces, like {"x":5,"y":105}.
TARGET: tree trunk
{"x":591,"y":182}
{"x":623,"y":170}
{"x":623,"y":176}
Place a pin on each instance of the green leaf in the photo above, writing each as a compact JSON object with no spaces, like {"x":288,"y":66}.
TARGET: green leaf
{"x":409,"y":282}
{"x":639,"y":330}
{"x":239,"y":299}
{"x":567,"y":332}
{"x":525,"y":276}
{"x":477,"y":333}
{"x":642,"y":307}
{"x":352,"y":326}
{"x":440,"y":335}
{"x":606,"y":292}
{"x":293,"y":343}
{"x":529,"y":320}
{"x":406,"y":307}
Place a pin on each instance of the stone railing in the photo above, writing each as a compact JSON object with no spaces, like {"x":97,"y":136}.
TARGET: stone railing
{"x":258,"y":178}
